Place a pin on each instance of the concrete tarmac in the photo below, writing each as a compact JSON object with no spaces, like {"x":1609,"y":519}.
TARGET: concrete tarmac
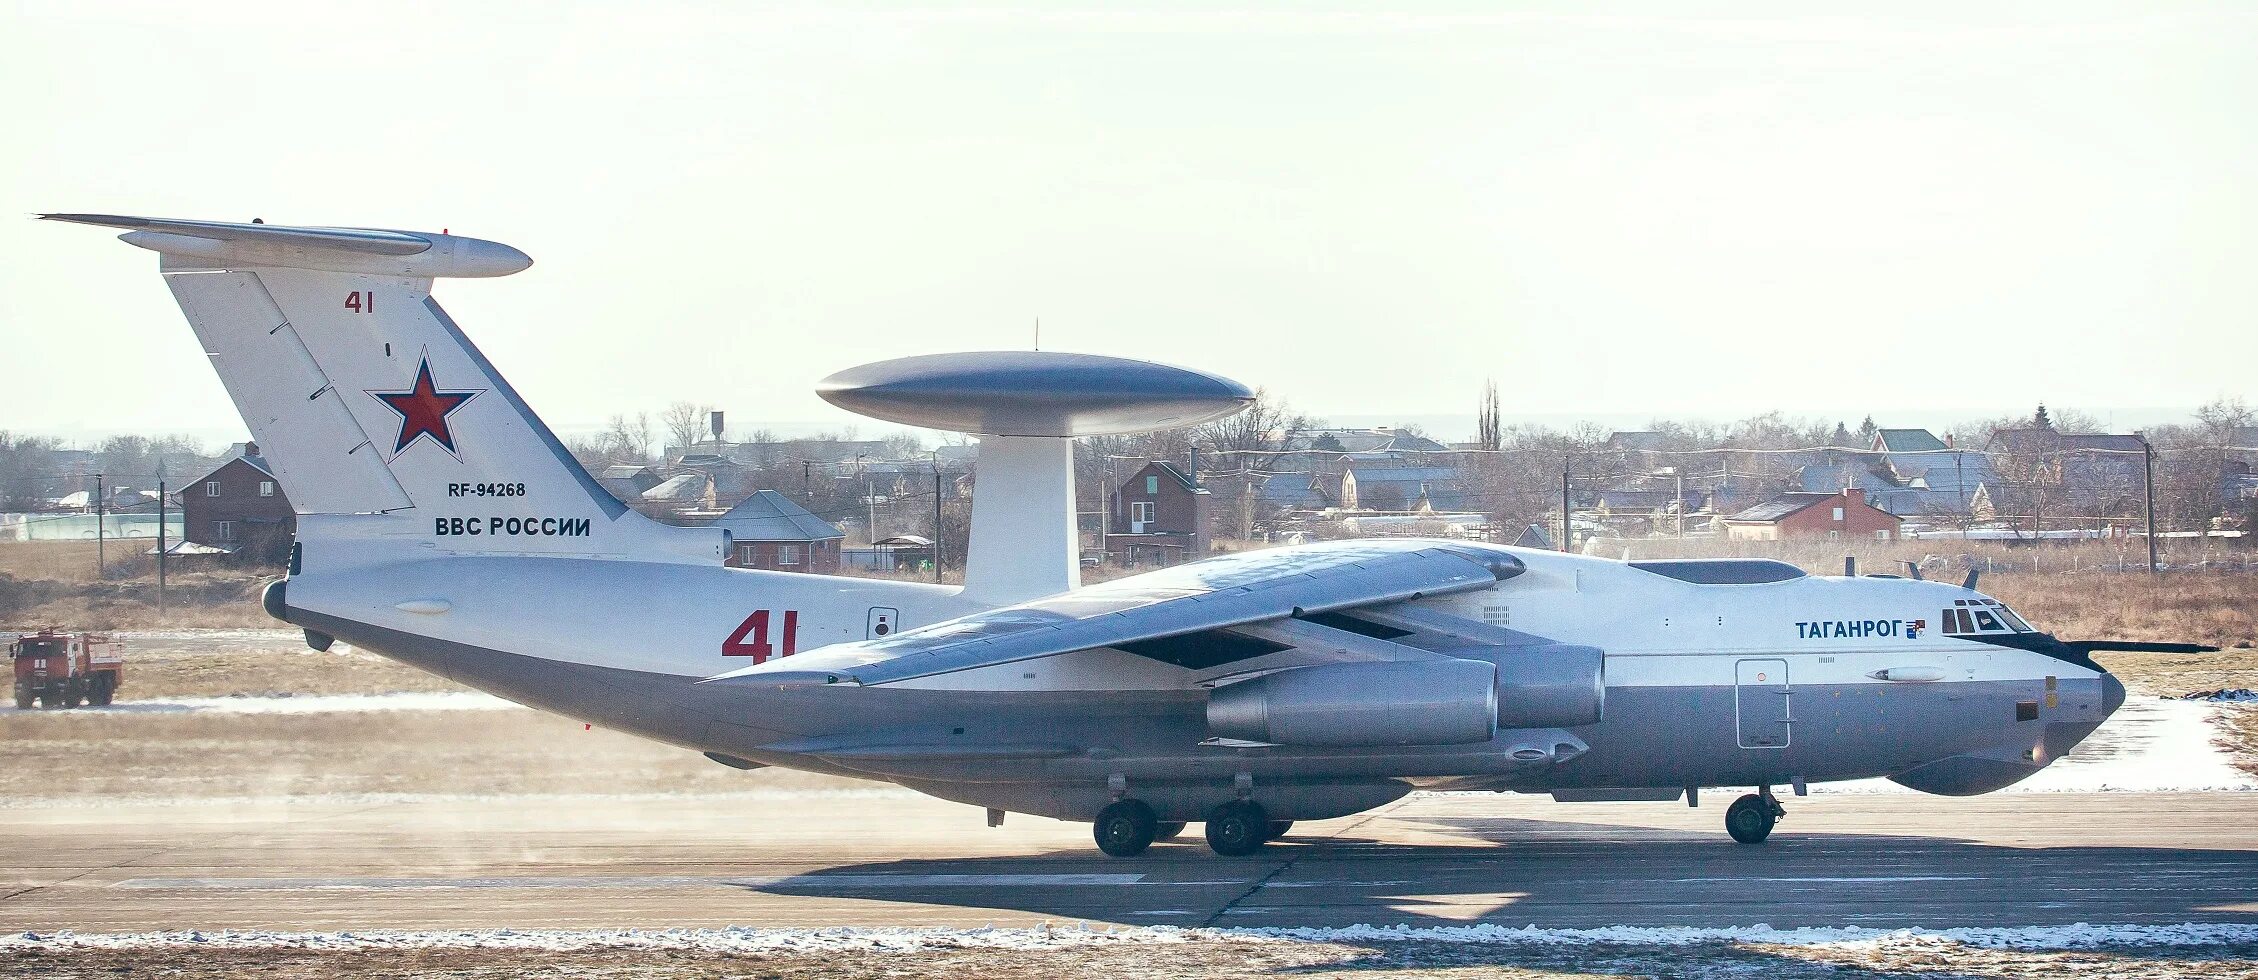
{"x":888,"y":859}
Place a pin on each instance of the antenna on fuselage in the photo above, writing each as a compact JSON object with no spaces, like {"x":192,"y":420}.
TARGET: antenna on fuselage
{"x":1913,"y":570}
{"x":1969,"y":583}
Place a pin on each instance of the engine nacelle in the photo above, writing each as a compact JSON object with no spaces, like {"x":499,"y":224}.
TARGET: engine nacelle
{"x":1556,"y":685}
{"x":1406,"y":702}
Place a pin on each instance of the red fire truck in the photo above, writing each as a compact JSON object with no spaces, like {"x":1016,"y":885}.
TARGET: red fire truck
{"x":65,"y":670}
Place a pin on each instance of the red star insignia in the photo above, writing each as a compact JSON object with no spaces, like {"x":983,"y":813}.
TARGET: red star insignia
{"x":424,"y":409}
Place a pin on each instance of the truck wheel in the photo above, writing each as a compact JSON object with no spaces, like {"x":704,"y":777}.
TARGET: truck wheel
{"x":23,"y":697}
{"x":100,"y":693}
{"x":74,"y":694}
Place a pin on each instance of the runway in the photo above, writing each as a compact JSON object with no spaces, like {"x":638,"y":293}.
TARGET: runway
{"x":883,"y":858}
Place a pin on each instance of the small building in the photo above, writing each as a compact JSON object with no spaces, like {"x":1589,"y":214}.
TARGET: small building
{"x":628,"y":482}
{"x":900,"y":553}
{"x":1813,"y":515}
{"x":1158,"y":517}
{"x":239,"y":507}
{"x":769,"y":532}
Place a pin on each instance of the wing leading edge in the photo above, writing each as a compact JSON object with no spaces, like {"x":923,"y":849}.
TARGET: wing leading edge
{"x":1232,"y":590}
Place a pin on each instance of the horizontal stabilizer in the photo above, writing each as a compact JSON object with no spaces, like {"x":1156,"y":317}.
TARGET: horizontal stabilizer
{"x":369,"y":251}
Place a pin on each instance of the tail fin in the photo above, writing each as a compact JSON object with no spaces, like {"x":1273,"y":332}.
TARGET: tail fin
{"x":367,"y":400}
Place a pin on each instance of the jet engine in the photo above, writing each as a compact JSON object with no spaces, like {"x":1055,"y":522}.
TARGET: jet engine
{"x":1556,"y":685}
{"x":1397,"y":702}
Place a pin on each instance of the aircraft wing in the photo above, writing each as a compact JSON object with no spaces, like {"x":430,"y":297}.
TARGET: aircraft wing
{"x":1233,"y":590}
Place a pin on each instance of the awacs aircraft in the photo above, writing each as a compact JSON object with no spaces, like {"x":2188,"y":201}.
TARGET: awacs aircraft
{"x":443,"y":525}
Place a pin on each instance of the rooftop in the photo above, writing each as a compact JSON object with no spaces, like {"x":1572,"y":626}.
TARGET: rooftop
{"x":771,"y":516}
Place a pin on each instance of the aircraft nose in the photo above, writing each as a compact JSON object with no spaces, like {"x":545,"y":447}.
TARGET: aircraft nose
{"x":2112,"y":692}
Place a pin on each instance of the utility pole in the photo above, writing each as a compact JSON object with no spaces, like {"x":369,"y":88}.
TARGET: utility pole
{"x":936,"y":518}
{"x":807,"y":483}
{"x":1565,"y":527}
{"x":2148,"y":461}
{"x":160,"y":541}
{"x":101,"y":497}
{"x":1681,"y":501}
{"x":869,"y":499}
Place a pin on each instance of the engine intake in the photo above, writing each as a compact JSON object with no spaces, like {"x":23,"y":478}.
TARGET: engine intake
{"x":1409,"y":702}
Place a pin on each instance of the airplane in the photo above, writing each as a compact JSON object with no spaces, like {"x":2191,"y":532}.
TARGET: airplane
{"x":442,"y":524}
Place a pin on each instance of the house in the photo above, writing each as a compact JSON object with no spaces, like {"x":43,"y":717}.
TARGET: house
{"x":1626,"y":513}
{"x":240,"y":507}
{"x":1158,"y":516}
{"x":1844,"y":514}
{"x":768,"y":531}
{"x":1933,"y":478}
{"x":1371,"y":482}
{"x":2041,"y":471}
{"x":1378,"y":439}
{"x":628,"y":482}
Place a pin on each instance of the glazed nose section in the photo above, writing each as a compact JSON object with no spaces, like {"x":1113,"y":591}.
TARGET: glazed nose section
{"x":2112,"y":693}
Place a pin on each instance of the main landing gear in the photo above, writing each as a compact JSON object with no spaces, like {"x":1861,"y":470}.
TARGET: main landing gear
{"x":1238,"y":828}
{"x":1750,"y":819}
{"x":1125,"y":828}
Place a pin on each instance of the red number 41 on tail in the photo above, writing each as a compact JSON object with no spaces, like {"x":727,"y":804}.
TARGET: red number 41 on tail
{"x":751,"y":638}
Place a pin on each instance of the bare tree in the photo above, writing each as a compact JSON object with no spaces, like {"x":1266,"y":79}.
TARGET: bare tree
{"x":1489,"y":432}
{"x":685,"y":423}
{"x":631,"y":437}
{"x":25,"y":469}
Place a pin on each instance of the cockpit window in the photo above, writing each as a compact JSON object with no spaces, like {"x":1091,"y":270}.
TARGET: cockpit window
{"x":1980,"y":616}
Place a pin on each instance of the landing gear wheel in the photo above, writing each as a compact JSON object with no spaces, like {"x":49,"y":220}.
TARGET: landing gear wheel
{"x":1750,"y":818}
{"x":1125,"y":828}
{"x":1278,"y":829}
{"x":1238,"y":829}
{"x":1170,"y":830}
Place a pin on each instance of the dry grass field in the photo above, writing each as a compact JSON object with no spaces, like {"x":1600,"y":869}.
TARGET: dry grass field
{"x":46,"y":583}
{"x":156,"y":757}
{"x":253,"y":663}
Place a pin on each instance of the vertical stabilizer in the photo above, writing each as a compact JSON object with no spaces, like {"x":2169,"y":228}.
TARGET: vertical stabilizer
{"x":379,"y":417}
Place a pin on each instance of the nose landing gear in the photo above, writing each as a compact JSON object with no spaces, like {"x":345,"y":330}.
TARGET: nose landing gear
{"x":1750,"y":819}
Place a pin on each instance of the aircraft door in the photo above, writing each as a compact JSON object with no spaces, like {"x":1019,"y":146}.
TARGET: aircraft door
{"x":1761,"y":704}
{"x":884,"y":620}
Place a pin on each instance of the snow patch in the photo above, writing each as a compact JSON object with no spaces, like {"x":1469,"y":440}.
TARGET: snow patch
{"x":2077,"y":936}
{"x":908,"y":940}
{"x":293,"y":704}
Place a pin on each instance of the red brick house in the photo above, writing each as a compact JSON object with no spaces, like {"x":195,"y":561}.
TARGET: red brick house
{"x":1158,"y":517}
{"x":1813,"y":515}
{"x":239,"y":507}
{"x":770,"y":532}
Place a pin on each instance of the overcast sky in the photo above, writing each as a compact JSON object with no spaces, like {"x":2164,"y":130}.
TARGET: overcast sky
{"x":1615,"y":214}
